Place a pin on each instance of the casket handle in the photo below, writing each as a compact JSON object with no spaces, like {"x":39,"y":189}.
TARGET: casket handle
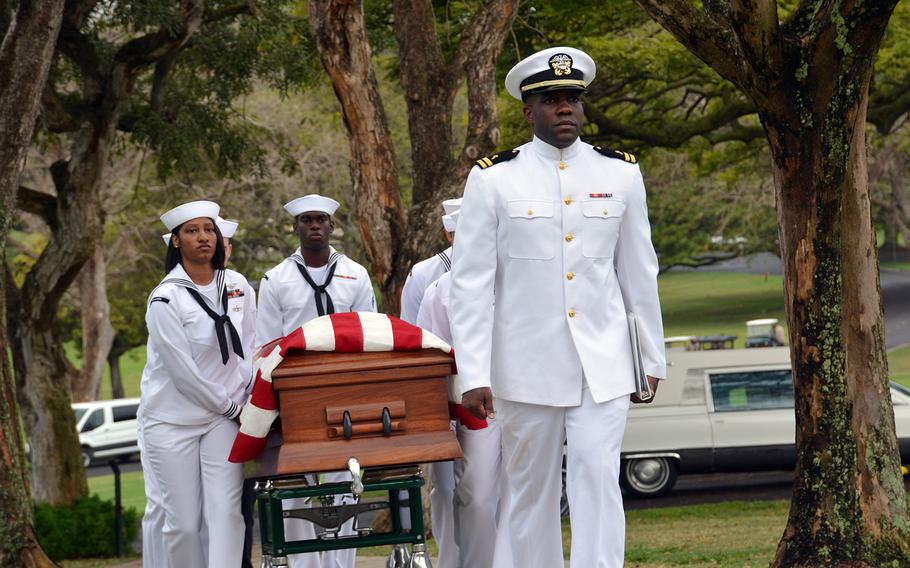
{"x":386,"y":422}
{"x":347,"y":425}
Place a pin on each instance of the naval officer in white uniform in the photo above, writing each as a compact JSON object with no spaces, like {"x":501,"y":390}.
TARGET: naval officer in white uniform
{"x":314,"y":281}
{"x":559,"y":230}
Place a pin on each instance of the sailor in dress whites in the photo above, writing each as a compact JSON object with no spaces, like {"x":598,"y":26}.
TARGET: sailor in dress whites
{"x":442,"y":474}
{"x":154,"y":554}
{"x":314,"y":281}
{"x":201,"y":332}
{"x":478,"y":476}
{"x":559,"y":229}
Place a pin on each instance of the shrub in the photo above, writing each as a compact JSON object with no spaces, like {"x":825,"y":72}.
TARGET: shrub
{"x":84,"y":530}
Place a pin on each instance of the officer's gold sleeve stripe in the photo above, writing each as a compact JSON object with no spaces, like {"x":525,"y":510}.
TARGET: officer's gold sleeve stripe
{"x":555,"y":83}
{"x":489,"y":162}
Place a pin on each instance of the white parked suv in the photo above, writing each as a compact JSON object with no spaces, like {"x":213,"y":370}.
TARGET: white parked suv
{"x":107,"y":428}
{"x":722,"y":410}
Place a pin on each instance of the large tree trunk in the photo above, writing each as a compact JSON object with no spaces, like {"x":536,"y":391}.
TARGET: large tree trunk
{"x":341,"y":37}
{"x":849,"y":504}
{"x":809,"y":79}
{"x":97,"y":332}
{"x":28,"y":39}
{"x":431,"y":85}
{"x":42,"y":371}
{"x":113,"y":361}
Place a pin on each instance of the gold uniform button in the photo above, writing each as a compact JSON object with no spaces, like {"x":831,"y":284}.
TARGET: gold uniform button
{"x":571,"y":313}
{"x":568,"y":201}
{"x":530,"y":211}
{"x":570,"y":275}
{"x":569,"y":238}
{"x":563,"y":165}
{"x":605,"y":210}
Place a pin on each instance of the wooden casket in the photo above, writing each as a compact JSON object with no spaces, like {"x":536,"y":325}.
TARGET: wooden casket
{"x":385,"y":409}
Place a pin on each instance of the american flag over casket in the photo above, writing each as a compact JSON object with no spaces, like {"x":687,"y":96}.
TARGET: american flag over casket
{"x":349,"y":332}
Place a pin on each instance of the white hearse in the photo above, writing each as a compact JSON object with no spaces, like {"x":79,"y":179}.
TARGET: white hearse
{"x":721,"y":410}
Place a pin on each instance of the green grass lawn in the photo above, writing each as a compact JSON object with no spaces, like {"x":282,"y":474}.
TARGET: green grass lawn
{"x":736,"y":533}
{"x":132,"y":489}
{"x":718,"y":303}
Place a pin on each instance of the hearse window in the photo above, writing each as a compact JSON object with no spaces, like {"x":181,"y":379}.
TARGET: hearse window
{"x":95,"y":419}
{"x":752,"y":390}
{"x":123,"y":413}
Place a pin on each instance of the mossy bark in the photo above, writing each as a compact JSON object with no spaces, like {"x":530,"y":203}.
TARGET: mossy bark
{"x":27,"y":38}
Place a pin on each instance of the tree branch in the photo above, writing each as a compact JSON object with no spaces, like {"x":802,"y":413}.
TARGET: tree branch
{"x":57,"y":117}
{"x":212,"y":16}
{"x":75,"y":12}
{"x":756,"y":27}
{"x":486,"y":22}
{"x":672,"y":134}
{"x":150,"y":48}
{"x":79,"y":49}
{"x":708,"y":39}
{"x":38,"y":203}
{"x":887,"y":105}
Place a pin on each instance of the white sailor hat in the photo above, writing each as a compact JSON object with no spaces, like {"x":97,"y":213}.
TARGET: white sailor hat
{"x":450,"y":221}
{"x":192,"y":210}
{"x":451,"y":205}
{"x":227,"y":228}
{"x":554,"y":68}
{"x":312,"y":202}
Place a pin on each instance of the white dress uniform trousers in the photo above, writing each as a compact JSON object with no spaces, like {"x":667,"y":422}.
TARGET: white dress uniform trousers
{"x":562,"y":236}
{"x":287,"y":301}
{"x":189,"y":400}
{"x":154,"y":554}
{"x":442,"y":474}
{"x":479,"y":476}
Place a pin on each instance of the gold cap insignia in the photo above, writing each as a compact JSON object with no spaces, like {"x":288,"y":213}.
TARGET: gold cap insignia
{"x":561,"y":64}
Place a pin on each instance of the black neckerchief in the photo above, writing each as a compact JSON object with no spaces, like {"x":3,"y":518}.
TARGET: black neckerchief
{"x":221,"y":322}
{"x":320,"y":290}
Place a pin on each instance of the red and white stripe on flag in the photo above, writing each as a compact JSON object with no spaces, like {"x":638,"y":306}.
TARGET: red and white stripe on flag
{"x":350,"y":332}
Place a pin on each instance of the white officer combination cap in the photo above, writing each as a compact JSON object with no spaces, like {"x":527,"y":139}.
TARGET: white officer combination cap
{"x":451,"y":205}
{"x":312,"y":203}
{"x":552,"y":69}
{"x":227,"y":228}
{"x":450,"y":221}
{"x":192,"y":210}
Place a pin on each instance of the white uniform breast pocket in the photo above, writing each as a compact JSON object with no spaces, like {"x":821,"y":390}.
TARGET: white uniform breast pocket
{"x":532,"y":232}
{"x":602,"y":219}
{"x":200,"y":331}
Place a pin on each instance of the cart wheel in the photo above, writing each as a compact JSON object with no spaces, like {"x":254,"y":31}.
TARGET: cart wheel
{"x":386,"y":422}
{"x":347,"y":425}
{"x":278,"y":561}
{"x":420,"y":558}
{"x":266,"y":561}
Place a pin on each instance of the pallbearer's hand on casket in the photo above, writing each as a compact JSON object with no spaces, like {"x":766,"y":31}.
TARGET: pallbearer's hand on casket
{"x":479,"y":402}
